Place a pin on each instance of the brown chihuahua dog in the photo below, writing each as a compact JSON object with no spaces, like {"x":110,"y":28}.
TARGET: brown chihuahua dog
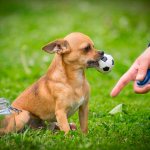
{"x":62,"y":90}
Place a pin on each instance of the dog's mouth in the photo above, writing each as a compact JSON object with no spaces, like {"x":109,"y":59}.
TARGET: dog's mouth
{"x":92,"y":63}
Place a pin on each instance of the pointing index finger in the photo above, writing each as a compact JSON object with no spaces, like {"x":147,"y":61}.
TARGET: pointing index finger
{"x":124,"y":80}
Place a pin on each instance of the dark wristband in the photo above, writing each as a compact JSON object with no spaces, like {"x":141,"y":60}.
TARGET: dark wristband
{"x":149,"y":45}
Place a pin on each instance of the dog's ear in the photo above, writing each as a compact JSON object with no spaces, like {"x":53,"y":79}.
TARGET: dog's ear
{"x":60,"y":46}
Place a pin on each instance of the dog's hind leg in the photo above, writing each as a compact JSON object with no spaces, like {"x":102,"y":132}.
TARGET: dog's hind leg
{"x":15,"y":122}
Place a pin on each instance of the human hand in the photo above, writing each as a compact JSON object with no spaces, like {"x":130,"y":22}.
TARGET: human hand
{"x":136,"y":72}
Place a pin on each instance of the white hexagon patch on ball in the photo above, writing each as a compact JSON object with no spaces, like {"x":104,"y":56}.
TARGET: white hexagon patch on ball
{"x":106,"y":63}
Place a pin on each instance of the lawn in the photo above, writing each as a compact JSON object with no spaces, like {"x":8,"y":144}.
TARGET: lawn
{"x":121,"y":28}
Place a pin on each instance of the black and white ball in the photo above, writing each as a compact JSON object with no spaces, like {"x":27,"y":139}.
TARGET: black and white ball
{"x":106,"y":63}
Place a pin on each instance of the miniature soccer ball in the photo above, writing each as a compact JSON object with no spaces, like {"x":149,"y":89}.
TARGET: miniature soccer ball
{"x":106,"y":63}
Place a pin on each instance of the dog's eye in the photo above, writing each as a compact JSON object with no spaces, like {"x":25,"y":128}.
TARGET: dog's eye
{"x":87,"y":48}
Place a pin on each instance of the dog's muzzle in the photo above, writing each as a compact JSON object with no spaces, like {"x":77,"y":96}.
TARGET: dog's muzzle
{"x":94,"y":63}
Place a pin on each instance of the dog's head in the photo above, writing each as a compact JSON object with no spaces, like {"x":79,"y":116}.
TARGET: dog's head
{"x":76,"y":49}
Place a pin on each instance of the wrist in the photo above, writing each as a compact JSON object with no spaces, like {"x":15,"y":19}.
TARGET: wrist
{"x":146,"y":54}
{"x":148,"y":49}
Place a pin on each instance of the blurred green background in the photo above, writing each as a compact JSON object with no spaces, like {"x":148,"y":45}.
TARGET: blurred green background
{"x":121,"y":28}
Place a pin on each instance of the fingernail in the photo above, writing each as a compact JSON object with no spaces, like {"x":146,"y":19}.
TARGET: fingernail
{"x":112,"y":94}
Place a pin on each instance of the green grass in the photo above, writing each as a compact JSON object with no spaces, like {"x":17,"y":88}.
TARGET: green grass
{"x":119,"y":28}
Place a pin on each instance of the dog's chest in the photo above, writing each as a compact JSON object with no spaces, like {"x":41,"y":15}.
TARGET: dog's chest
{"x":74,"y":106}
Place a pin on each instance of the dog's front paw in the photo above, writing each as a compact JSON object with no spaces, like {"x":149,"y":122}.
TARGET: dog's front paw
{"x":73,"y":126}
{"x":55,"y":126}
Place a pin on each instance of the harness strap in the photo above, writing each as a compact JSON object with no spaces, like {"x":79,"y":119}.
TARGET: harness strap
{"x":14,"y":109}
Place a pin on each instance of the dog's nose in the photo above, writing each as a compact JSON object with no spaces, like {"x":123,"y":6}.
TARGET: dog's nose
{"x":101,"y":53}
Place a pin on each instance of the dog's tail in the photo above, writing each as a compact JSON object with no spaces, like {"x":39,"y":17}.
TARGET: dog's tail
{"x":14,"y":122}
{"x":1,"y":126}
{"x":7,"y":124}
{"x":12,"y":119}
{"x":5,"y":115}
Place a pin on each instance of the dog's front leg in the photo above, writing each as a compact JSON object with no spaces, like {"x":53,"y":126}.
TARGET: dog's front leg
{"x":62,"y":121}
{"x":61,"y":118}
{"x":83,"y":117}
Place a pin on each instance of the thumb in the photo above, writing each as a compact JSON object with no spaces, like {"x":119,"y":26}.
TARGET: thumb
{"x":142,"y":70}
